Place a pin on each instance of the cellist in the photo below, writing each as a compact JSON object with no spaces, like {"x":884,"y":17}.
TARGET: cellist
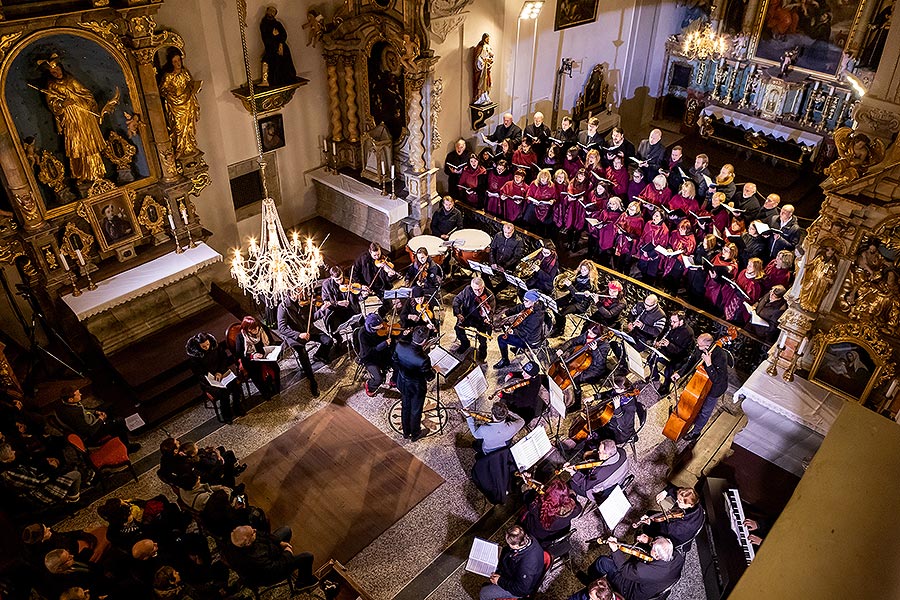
{"x":597,"y":346}
{"x":715,"y":362}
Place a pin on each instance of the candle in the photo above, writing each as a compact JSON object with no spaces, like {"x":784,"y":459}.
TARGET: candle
{"x":333,"y":149}
{"x":171,"y":222}
{"x":62,"y":259}
{"x":803,"y":345}
{"x":781,"y":339}
{"x":80,"y":256}
{"x":892,"y":389}
{"x":392,"y":171}
{"x":324,"y":146}
{"x":184,"y":215}
{"x":382,"y":169}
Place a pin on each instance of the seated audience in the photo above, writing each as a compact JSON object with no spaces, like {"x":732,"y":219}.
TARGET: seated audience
{"x":251,"y":349}
{"x":210,"y":360}
{"x":262,"y":558}
{"x":92,"y":426}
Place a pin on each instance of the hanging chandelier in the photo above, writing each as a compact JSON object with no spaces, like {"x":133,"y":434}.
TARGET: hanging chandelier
{"x":700,"y":42}
{"x":276,"y":266}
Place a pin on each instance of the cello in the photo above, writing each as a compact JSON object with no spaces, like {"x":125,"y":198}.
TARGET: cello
{"x":563,"y":371}
{"x":685,"y":411}
{"x":583,"y":425}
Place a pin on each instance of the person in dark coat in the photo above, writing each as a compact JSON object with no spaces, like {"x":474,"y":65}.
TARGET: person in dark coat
{"x":769,"y":308}
{"x":371,"y":270}
{"x":492,"y":474}
{"x":550,"y":515}
{"x":40,"y":539}
{"x":278,"y":66}
{"x":716,"y":362}
{"x":525,"y":399}
{"x":473,"y":308}
{"x":506,"y":252}
{"x":413,"y":367}
{"x":268,"y":558}
{"x":527,"y":334}
{"x":636,"y":579}
{"x":673,"y":350}
{"x":295,"y":329}
{"x":681,"y":531}
{"x":453,"y":167}
{"x":646,"y":321}
{"x":209,"y":358}
{"x":92,"y":426}
{"x":791,"y":233}
{"x":596,"y":483}
{"x":250,"y":348}
{"x":520,"y":570}
{"x":374,"y":352}
{"x":447,"y":219}
{"x":507,"y":130}
{"x":624,"y":398}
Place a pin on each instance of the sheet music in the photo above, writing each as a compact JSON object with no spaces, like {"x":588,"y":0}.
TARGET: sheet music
{"x":689,"y":262}
{"x":636,"y":362}
{"x":483,"y":557}
{"x":228,"y":378}
{"x":271,"y":353}
{"x":134,"y":421}
{"x":761,"y":227}
{"x":592,"y":221}
{"x":615,"y":507}
{"x":516,"y":281}
{"x":442,"y":361}
{"x":557,"y":400}
{"x":471,"y":387}
{"x":531,"y":448}
{"x":623,"y":335}
{"x":755,"y":319}
{"x":549,"y":302}
{"x":667,"y":252}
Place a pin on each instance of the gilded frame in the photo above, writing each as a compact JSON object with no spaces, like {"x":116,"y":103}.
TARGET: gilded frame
{"x":840,"y":365}
{"x":135,"y":96}
{"x":95,"y":207}
{"x":579,"y":10}
{"x":847,"y":46}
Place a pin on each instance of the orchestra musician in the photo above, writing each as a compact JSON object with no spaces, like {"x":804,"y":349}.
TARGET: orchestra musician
{"x":597,"y":346}
{"x":550,"y":515}
{"x":598,"y":589}
{"x":507,"y":130}
{"x":374,"y":352}
{"x":446,"y":220}
{"x":337,"y":307}
{"x":578,"y":298}
{"x":506,"y":252}
{"x":416,"y":311}
{"x":373,"y":271}
{"x":651,"y":153}
{"x":426,"y":274}
{"x":250,"y":349}
{"x":453,"y":167}
{"x":680,"y":525}
{"x":646,"y":321}
{"x":590,"y":139}
{"x":520,"y":569}
{"x":597,"y":482}
{"x":512,"y":196}
{"x":294,"y":327}
{"x":716,"y":362}
{"x":547,"y":269}
{"x":538,"y":134}
{"x":676,"y":348}
{"x":636,"y":579}
{"x":620,"y":428}
{"x":523,"y":395}
{"x":474,"y":306}
{"x":609,"y":309}
{"x":412,"y":366}
{"x":496,"y":433}
{"x":525,"y":328}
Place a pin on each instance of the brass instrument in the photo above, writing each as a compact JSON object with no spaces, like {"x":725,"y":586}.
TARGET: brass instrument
{"x":563,"y":281}
{"x":529,"y":265}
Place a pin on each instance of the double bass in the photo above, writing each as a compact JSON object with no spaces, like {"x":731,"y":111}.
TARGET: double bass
{"x":694,"y":394}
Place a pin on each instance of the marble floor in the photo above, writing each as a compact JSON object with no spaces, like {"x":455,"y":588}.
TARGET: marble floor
{"x":389,"y":563}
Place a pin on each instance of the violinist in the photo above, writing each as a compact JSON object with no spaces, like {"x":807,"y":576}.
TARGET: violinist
{"x":413,"y":368}
{"x":373,"y":271}
{"x":498,"y":432}
{"x":550,"y":514}
{"x":521,"y":391}
{"x":681,"y":524}
{"x":506,"y":252}
{"x":425,"y":273}
{"x":416,"y":311}
{"x":446,"y":220}
{"x":525,"y":327}
{"x":591,"y":341}
{"x":582,"y":289}
{"x":636,"y":579}
{"x":374,"y":352}
{"x":337,"y":306}
{"x":716,"y":362}
{"x":474,"y":306}
{"x":295,"y":328}
{"x":596,"y":478}
{"x":675,"y":347}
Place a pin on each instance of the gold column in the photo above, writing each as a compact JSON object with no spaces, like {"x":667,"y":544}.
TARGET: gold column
{"x":155,"y":116}
{"x":334,"y":97}
{"x":18,"y":186}
{"x":350,"y":92}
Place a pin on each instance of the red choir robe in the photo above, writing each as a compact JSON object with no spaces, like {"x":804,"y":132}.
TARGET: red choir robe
{"x":714,"y":285}
{"x":720,"y":218}
{"x":578,"y":193}
{"x":655,"y":235}
{"x":685,"y":205}
{"x":547,"y":192}
{"x":596,"y":202}
{"x":492,"y":203}
{"x":527,"y":161}
{"x":619,"y":177}
{"x":673,"y":266}
{"x":733,"y":303}
{"x":571,"y":166}
{"x":561,"y":206}
{"x":470,"y":182}
{"x":607,"y":229}
{"x":513,"y":197}
{"x":655,"y":196}
{"x":775,"y":276}
{"x":633,"y":226}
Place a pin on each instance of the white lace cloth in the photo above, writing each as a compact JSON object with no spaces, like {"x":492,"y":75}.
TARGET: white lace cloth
{"x":141,"y":280}
{"x":751,"y":123}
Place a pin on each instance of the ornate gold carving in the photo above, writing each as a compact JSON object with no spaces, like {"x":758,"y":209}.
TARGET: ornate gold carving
{"x":7,"y":40}
{"x":142,"y":25}
{"x":200,"y":182}
{"x":269,"y":100}
{"x":105,"y":29}
{"x":857,"y":153}
{"x":144,"y":55}
{"x":7,"y":222}
{"x":796,"y":321}
{"x":334,"y":99}
{"x":119,"y":151}
{"x":52,"y":172}
{"x":437,"y":90}
{"x":350,"y":91}
{"x":49,"y":257}
{"x":100,"y":186}
{"x":28,"y":205}
{"x":888,"y":231}
{"x":817,"y":278}
{"x":73,"y":233}
{"x":167,"y":158}
{"x":152,"y":215}
{"x":10,"y":250}
{"x":865,"y":335}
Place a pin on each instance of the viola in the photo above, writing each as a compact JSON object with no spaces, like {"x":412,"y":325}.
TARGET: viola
{"x":672,"y":515}
{"x":478,"y":416}
{"x":305,"y":301}
{"x":685,"y":411}
{"x":389,"y":329}
{"x":532,"y":483}
{"x":630,"y":550}
{"x":581,"y":466}
{"x":422,"y":309}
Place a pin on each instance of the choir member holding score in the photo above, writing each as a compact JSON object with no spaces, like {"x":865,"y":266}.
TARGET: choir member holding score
{"x":472,"y":182}
{"x":512,"y":194}
{"x":496,"y":178}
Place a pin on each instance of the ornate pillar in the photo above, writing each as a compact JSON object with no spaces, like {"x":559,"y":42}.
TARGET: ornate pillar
{"x":420,"y":179}
{"x":334,"y":97}
{"x":349,"y":63}
{"x":878,"y":112}
{"x":17,"y":182}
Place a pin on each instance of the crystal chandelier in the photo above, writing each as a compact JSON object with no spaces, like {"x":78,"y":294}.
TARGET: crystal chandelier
{"x":275,"y":266}
{"x":700,"y":42}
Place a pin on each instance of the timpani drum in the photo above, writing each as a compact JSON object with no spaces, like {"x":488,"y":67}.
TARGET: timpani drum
{"x":474,"y":245}
{"x":430,"y":242}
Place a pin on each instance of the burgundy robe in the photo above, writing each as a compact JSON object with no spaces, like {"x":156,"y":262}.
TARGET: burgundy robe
{"x":633,"y":226}
{"x":575,"y":211}
{"x":471,"y":178}
{"x":492,"y":203}
{"x":513,"y":197}
{"x":775,"y":276}
{"x":619,"y":177}
{"x":673,"y":266}
{"x":607,"y":229}
{"x":571,"y":166}
{"x":714,"y":285}
{"x":733,"y":302}
{"x":654,"y":235}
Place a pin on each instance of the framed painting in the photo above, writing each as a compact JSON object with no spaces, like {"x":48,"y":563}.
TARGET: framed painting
{"x":271,"y":132}
{"x":819,"y":31}
{"x":571,"y":13}
{"x":112,"y":218}
{"x":850,"y":360}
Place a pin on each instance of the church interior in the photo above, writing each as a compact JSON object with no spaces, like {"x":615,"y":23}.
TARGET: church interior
{"x":396,"y":299}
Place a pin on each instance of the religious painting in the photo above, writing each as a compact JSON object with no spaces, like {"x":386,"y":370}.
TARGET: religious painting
{"x":818,"y":31}
{"x":570,"y":13}
{"x":846,"y":367}
{"x":271,"y":132}
{"x":64,"y":94}
{"x":112,"y":218}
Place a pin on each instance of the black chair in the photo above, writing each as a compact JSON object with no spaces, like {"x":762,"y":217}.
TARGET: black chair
{"x":641,"y":414}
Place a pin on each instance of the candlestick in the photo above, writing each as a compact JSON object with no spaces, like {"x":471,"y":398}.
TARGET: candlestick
{"x":178,"y":248}
{"x":383,"y":188}
{"x":393,"y":195}
{"x":91,"y":285}
{"x":74,"y":281}
{"x":80,"y":256}
{"x":392,"y":172}
{"x":774,"y":355}
{"x":184,"y":216}
{"x":62,"y":259}
{"x":191,"y":241}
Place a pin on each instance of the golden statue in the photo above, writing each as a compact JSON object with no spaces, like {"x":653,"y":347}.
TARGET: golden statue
{"x":78,"y":120}
{"x":817,"y":279}
{"x":179,"y":93}
{"x":877,"y":301}
{"x":857,"y":153}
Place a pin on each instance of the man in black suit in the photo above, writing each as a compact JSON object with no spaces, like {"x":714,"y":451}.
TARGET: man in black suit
{"x":506,"y":252}
{"x":413,"y":367}
{"x":520,"y":569}
{"x":453,"y":166}
{"x":716,"y":362}
{"x":507,"y":130}
{"x":617,"y":143}
{"x":590,"y":139}
{"x":636,"y":579}
{"x":676,"y":346}
{"x":539,"y":135}
{"x":748,"y":202}
{"x":791,"y":233}
{"x":447,"y":219}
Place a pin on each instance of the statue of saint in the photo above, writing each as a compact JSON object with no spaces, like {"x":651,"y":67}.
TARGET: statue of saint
{"x":483,"y":61}
{"x":77,"y":120}
{"x":277,"y":64}
{"x":179,"y":93}
{"x":817,"y":279}
{"x":877,"y":301}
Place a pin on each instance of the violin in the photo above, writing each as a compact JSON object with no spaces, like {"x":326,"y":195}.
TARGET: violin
{"x":352,"y":287}
{"x":672,"y":515}
{"x":581,"y":466}
{"x":389,"y":329}
{"x":532,"y":483}
{"x":628,"y":549}
{"x":384,"y":263}
{"x":511,"y":387}
{"x":518,"y":319}
{"x":305,"y":301}
{"x":424,"y":310}
{"x":564,"y":371}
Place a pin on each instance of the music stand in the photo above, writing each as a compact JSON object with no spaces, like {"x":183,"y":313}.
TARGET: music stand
{"x":399,"y":293}
{"x":557,"y":404}
{"x":443,"y":363}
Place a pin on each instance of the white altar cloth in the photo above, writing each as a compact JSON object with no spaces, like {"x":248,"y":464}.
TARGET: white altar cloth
{"x":786,"y":421}
{"x":141,"y":280}
{"x":780,"y":132}
{"x":395,"y":210}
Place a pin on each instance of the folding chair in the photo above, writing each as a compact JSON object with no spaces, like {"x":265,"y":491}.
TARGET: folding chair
{"x":111,"y":457}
